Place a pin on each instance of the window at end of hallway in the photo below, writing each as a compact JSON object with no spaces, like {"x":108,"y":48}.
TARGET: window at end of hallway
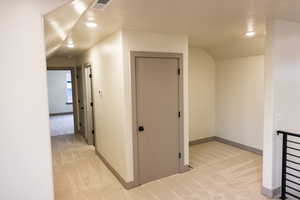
{"x":69,"y":88}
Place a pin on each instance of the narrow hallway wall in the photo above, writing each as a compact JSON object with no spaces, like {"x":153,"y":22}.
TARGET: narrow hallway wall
{"x":112,"y":140}
{"x":25,"y":152}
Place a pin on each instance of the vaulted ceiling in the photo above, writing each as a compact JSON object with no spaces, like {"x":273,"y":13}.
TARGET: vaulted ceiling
{"x":219,"y":26}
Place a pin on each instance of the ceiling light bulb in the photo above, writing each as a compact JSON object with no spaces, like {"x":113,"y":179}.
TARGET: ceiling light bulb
{"x":250,"y":33}
{"x":91,"y":24}
{"x":79,"y":6}
{"x":70,"y":41}
{"x":71,"y":45}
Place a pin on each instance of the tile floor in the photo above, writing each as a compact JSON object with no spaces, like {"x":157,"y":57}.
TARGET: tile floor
{"x":221,"y":172}
{"x":61,"y":124}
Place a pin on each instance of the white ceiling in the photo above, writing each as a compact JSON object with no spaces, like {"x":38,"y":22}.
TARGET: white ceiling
{"x":59,"y":23}
{"x":215,"y":25}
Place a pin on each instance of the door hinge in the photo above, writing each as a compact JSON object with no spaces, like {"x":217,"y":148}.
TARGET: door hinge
{"x":92,"y":104}
{"x":80,"y":124}
{"x":90,"y":75}
{"x":178,"y":71}
{"x":179,"y":155}
{"x":179,"y":114}
{"x":93,"y":132}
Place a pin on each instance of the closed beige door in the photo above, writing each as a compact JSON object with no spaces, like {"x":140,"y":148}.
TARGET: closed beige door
{"x":157,"y":85}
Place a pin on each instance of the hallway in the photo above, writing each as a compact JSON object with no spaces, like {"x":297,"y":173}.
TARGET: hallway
{"x":221,"y":172}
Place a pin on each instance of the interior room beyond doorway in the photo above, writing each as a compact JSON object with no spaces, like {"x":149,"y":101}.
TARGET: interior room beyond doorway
{"x":60,"y":98}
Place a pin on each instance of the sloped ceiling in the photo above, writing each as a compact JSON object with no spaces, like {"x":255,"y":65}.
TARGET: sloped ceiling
{"x":59,"y":23}
{"x":215,"y":25}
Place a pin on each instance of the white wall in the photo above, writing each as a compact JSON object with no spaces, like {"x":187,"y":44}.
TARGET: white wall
{"x":111,"y":68}
{"x":112,"y":139}
{"x":282,"y":93}
{"x":61,"y":61}
{"x":25,"y":156}
{"x":202,"y":94}
{"x":57,"y":96}
{"x":147,"y":41}
{"x":226,"y":98}
{"x":240,"y":100}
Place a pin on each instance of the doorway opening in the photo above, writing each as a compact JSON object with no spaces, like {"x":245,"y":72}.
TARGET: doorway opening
{"x":70,"y":100}
{"x":61,"y":101}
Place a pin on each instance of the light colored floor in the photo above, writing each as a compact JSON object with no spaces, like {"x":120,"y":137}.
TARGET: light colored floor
{"x":221,"y":172}
{"x":61,"y":125}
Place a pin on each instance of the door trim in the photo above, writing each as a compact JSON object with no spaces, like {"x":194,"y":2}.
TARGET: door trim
{"x":88,"y":65}
{"x":141,"y":54}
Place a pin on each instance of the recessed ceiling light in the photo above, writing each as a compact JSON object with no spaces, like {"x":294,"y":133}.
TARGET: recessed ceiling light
{"x":250,"y":33}
{"x":79,"y":6}
{"x":70,"y":45}
{"x":70,"y":42}
{"x":91,"y":24}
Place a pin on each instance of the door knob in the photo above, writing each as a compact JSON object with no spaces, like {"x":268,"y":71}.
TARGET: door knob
{"x":141,"y":128}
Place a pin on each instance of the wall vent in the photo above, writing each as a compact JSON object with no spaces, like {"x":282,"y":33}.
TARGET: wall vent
{"x":100,"y":4}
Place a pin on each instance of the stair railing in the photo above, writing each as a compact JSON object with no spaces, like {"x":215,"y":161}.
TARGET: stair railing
{"x":290,"y":181}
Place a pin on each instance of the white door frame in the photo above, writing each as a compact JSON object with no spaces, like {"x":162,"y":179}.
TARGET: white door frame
{"x":88,"y":103}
